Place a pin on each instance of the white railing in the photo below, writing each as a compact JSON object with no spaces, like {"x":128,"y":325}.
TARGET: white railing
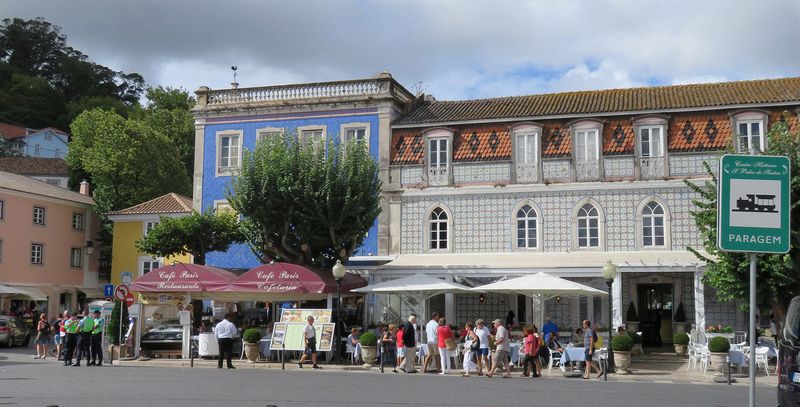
{"x":343,"y":89}
{"x":651,"y":168}
{"x":438,"y":176}
{"x":527,"y":172}
{"x":588,"y":170}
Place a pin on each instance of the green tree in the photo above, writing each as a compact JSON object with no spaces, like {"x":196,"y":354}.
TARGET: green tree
{"x":195,"y":234}
{"x":306,"y":205}
{"x":128,"y":160}
{"x":729,"y":273}
{"x":167,"y":110}
{"x":113,"y":323}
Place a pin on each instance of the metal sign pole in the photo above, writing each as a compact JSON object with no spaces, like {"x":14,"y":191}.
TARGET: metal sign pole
{"x":752,"y":364}
{"x":119,"y":338}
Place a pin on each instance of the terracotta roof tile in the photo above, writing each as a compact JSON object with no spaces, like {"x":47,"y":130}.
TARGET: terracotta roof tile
{"x":11,"y":131}
{"x":556,"y":139}
{"x":34,"y":166}
{"x":169,"y":203}
{"x":618,"y":137}
{"x":699,"y":132}
{"x":408,"y":147}
{"x":783,"y":90}
{"x":482,"y":143}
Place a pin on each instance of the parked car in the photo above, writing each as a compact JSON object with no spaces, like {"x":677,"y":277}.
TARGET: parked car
{"x":13,"y":332}
{"x":788,"y":369}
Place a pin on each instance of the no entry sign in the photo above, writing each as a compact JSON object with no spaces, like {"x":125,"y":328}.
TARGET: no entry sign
{"x":753,"y":203}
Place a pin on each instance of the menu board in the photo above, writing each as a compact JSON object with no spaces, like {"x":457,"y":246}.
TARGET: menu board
{"x":288,"y":334}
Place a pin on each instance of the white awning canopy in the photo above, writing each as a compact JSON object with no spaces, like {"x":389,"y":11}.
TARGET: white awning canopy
{"x":91,"y":292}
{"x":33,"y":293}
{"x":418,"y":285}
{"x":540,"y":284}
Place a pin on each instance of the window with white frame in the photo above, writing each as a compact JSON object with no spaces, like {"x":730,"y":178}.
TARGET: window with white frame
{"x":75,"y":257}
{"x":586,"y":145}
{"x":37,"y":150}
{"x":149,"y":265}
{"x":148,"y":226}
{"x":37,"y":253}
{"x":526,"y":155}
{"x":77,"y":221}
{"x":58,"y":153}
{"x":526,"y":228}
{"x":653,"y":225}
{"x":651,"y":141}
{"x":312,"y":136}
{"x":588,"y":226}
{"x":750,"y":135}
{"x":268,"y":133}
{"x":438,"y":229}
{"x":229,"y":151}
{"x":438,"y":160}
{"x":38,"y":215}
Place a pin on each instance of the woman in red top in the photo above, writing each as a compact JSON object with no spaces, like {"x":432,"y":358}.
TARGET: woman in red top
{"x":401,"y":350}
{"x":443,"y":333}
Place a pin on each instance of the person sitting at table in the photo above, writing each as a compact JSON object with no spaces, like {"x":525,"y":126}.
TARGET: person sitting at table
{"x":389,"y":348}
{"x":353,"y":341}
{"x":553,"y":344}
{"x":577,"y":339}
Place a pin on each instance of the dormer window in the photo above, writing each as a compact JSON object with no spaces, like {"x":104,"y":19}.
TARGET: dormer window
{"x":750,"y":127}
{"x":650,"y":146}
{"x":438,"y":158}
{"x":586,"y":135}
{"x":526,"y":152}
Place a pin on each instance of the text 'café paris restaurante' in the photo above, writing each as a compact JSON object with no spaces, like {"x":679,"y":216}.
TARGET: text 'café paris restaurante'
{"x":210,"y":293}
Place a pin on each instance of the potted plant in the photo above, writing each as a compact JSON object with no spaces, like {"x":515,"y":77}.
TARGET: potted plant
{"x":632,"y":318}
{"x":680,"y":319}
{"x":637,"y":343}
{"x":622,"y":345}
{"x":713,"y":331}
{"x":369,"y":352}
{"x":718,"y":347}
{"x":251,"y":337}
{"x":117,"y":347}
{"x":680,"y":340}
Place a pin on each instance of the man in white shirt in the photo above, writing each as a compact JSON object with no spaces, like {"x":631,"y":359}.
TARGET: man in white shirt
{"x":432,"y":342}
{"x":225,"y":331}
{"x":501,"y":354}
{"x":483,"y":351}
{"x":310,"y":337}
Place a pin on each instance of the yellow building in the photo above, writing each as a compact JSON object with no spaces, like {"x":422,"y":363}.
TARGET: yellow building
{"x":132,"y":224}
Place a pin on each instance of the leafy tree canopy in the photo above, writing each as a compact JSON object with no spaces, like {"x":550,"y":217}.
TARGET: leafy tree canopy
{"x":308,"y":204}
{"x":729,"y":273}
{"x":195,"y":234}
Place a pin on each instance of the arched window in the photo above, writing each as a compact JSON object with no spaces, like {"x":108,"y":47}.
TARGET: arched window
{"x":526,"y":228}
{"x":438,"y":229}
{"x":653,"y":225}
{"x":588,"y":226}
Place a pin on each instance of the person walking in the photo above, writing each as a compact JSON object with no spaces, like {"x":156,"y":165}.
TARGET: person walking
{"x":225,"y":331}
{"x":410,"y":343}
{"x":97,"y":340}
{"x":310,"y":335}
{"x":85,"y":328}
{"x":62,"y":335}
{"x":482,"y":354}
{"x":42,"y":337}
{"x":443,"y":333}
{"x":389,"y":349}
{"x":71,"y":337}
{"x":432,"y":343}
{"x":503,"y":349}
{"x":470,"y":341}
{"x":531,"y":363}
{"x":589,"y":340}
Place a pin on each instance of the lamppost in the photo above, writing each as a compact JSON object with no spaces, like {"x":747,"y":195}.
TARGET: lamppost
{"x":609,"y":272}
{"x":338,"y":273}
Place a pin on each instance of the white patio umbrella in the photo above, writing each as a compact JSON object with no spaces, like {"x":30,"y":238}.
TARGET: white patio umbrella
{"x":418,"y":286}
{"x":541,"y":287}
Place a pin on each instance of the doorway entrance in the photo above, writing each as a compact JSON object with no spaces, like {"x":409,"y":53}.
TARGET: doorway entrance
{"x":655,"y":313}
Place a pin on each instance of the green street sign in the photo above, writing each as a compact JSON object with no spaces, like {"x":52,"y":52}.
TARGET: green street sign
{"x":753,"y":203}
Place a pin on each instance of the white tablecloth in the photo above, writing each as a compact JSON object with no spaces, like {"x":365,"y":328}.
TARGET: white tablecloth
{"x":573,"y":355}
{"x":736,"y":357}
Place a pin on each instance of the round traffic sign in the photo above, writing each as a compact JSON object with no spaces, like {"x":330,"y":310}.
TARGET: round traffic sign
{"x":121,"y":293}
{"x":129,"y":299}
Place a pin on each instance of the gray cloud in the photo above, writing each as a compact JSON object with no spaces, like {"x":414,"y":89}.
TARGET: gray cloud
{"x":458,"y":49}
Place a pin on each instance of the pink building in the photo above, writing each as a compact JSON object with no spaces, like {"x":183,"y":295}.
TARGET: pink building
{"x":47,"y":255}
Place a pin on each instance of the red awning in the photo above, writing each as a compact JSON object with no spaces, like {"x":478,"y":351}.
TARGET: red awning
{"x":181,"y":277}
{"x":288,"y":278}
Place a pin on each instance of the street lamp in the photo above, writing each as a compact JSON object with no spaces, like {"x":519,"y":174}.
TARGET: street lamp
{"x":609,"y":272}
{"x":338,"y":273}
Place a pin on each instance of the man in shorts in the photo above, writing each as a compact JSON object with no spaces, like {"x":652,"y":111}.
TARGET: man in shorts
{"x":432,"y":343}
{"x":310,"y":336}
{"x":503,"y":349}
{"x":483,"y":351}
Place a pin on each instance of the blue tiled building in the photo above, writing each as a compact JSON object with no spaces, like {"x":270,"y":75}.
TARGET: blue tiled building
{"x":229,"y":121}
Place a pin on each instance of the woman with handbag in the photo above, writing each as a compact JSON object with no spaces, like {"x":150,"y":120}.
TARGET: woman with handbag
{"x":446,"y":343}
{"x":471,"y":344}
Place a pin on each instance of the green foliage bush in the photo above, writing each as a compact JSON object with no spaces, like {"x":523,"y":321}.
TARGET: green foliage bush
{"x":252,"y":335}
{"x":719,"y":344}
{"x":368,"y":339}
{"x":636,"y":338}
{"x":622,"y":343}
{"x":680,"y":338}
{"x":631,"y":315}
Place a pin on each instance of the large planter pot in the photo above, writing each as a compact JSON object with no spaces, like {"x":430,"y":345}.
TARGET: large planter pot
{"x":251,"y":350}
{"x":622,"y":359}
{"x":719,"y":361}
{"x":369,"y":353}
{"x":637,"y":349}
{"x":680,"y":327}
{"x":680,"y":350}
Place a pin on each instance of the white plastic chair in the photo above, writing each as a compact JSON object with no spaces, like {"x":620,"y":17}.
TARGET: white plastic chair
{"x":762,"y":358}
{"x":350,"y":350}
{"x":553,"y":361}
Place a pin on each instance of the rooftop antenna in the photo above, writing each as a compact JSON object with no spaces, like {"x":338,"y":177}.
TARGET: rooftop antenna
{"x":234,"y":84}
{"x":419,"y":87}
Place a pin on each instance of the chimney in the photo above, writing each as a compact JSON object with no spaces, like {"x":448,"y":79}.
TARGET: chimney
{"x":85,"y":189}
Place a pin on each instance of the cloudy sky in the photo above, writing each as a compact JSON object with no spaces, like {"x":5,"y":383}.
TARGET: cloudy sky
{"x":453,"y":49}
